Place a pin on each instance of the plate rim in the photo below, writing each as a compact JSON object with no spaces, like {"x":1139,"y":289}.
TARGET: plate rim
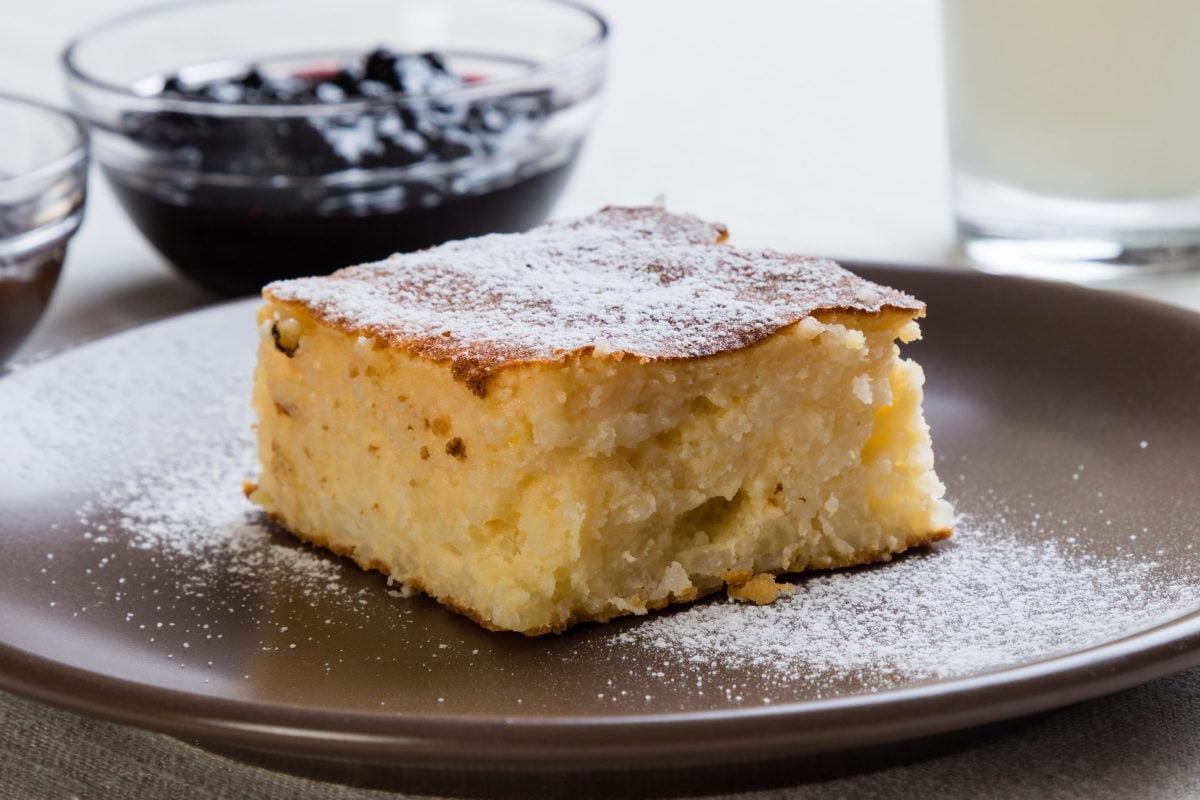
{"x":677,"y":739}
{"x":751,"y":733}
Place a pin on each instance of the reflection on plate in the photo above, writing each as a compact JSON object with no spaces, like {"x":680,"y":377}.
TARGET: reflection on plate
{"x":1064,"y":428}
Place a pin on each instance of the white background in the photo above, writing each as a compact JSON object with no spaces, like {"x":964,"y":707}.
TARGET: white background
{"x":814,"y":126}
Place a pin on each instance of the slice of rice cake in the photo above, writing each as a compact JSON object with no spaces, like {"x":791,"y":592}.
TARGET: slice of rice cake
{"x":595,"y":418}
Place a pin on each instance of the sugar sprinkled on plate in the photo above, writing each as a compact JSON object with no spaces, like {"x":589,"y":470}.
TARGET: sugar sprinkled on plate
{"x":986,"y":599}
{"x":979,"y":602}
{"x":194,"y":511}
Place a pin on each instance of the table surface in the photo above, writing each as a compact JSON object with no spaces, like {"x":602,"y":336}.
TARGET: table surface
{"x":814,"y":126}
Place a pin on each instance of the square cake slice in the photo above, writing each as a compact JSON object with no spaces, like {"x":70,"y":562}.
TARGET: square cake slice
{"x":596,"y":418}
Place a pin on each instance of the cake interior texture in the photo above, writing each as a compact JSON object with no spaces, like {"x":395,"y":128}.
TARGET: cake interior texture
{"x":532,"y":489}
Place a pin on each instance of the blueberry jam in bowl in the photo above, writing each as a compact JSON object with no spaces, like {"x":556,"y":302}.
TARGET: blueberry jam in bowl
{"x":43,"y":180}
{"x":252,"y":140}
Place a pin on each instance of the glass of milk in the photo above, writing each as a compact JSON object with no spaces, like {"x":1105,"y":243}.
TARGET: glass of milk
{"x":1075,"y":135}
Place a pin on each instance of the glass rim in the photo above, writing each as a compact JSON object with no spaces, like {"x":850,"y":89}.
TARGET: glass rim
{"x":561,"y":63}
{"x":75,"y":152}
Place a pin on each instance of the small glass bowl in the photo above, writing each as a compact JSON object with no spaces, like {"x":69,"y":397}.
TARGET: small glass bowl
{"x":236,"y":194}
{"x":43,"y":181}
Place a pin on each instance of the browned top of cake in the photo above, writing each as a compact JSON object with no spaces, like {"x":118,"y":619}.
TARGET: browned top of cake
{"x":632,"y":281}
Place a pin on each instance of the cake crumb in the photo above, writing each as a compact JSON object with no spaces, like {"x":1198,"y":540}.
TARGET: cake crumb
{"x":760,"y":589}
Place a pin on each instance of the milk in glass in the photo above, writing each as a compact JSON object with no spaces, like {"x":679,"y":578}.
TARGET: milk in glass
{"x":1075,"y":132}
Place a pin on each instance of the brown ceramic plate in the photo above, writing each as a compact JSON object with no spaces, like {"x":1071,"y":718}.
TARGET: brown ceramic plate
{"x":136,"y":585}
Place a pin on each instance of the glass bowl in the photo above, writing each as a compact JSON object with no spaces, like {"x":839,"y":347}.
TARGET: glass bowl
{"x":236,"y":194}
{"x":43,"y":180}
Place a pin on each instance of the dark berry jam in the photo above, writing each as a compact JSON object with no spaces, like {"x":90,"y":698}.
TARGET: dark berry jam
{"x":235,"y":248}
{"x":235,"y":200}
{"x":25,"y":289}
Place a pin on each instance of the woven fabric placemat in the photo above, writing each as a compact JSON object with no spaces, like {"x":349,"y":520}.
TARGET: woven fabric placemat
{"x":1142,"y":743}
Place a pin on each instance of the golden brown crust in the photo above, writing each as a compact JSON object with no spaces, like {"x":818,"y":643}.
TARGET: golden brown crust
{"x":731,"y":580}
{"x":479,"y":377}
{"x":623,"y":283}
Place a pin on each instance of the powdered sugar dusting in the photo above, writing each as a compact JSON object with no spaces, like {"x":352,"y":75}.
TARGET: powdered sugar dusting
{"x":635,"y":281}
{"x":192,"y":512}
